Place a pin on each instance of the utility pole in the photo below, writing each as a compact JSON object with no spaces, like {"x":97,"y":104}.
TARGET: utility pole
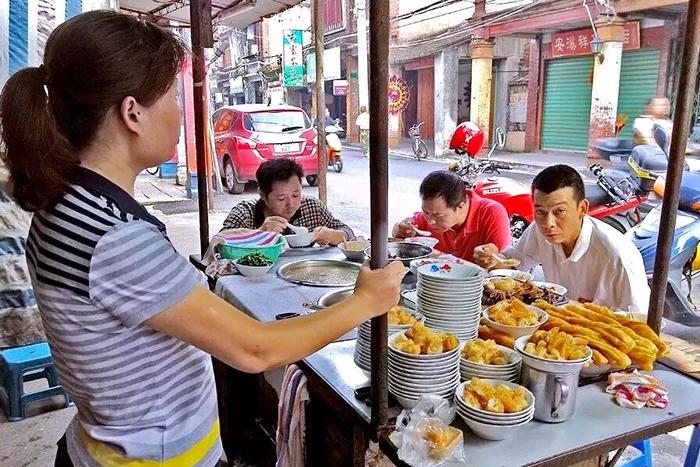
{"x":362,"y":78}
{"x":202,"y":37}
{"x":319,"y":30}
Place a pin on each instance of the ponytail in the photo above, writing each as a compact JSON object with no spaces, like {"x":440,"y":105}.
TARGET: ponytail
{"x":36,"y":155}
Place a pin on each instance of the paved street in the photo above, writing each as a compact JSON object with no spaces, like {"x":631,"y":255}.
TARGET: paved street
{"x":348,"y":196}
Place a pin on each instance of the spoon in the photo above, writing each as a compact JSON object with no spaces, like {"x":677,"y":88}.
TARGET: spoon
{"x":297,"y":229}
{"x":510,"y":262}
{"x":422,"y":233}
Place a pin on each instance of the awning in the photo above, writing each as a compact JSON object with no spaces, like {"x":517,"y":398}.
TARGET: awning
{"x":237,"y":14}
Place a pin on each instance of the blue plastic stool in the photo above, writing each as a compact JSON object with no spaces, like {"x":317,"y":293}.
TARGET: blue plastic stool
{"x":691,"y":458}
{"x":19,"y":365}
{"x":644,"y":459}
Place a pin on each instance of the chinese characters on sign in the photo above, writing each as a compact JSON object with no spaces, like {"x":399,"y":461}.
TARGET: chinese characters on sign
{"x":292,"y":58}
{"x":571,"y":43}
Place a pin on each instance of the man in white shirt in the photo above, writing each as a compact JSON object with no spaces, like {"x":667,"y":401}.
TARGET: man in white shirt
{"x":595,"y":262}
{"x":362,"y":122}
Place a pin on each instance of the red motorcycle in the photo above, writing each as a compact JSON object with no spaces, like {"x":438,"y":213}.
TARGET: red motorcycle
{"x":614,"y":202}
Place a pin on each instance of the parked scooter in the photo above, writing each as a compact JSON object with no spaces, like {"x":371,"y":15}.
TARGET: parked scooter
{"x":612,"y":201}
{"x":685,"y":251}
{"x":334,"y":146}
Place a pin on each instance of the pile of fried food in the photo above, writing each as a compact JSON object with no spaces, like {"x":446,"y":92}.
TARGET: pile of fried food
{"x":500,"y":337}
{"x":421,"y":340}
{"x":497,"y":289}
{"x":484,"y":352}
{"x":512,"y":312}
{"x":497,"y":399}
{"x":398,"y":316}
{"x":441,"y":439}
{"x":557,"y":345}
{"x":615,"y":339}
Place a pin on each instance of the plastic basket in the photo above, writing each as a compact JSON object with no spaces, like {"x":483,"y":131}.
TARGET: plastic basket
{"x":238,"y":251}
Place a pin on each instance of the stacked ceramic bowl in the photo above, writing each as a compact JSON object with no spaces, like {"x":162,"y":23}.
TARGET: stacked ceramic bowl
{"x":492,"y":425}
{"x":412,"y":376}
{"x":509,"y":372}
{"x":449,"y":296}
{"x":362,"y":355}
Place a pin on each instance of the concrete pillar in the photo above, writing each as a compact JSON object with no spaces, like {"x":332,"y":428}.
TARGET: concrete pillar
{"x":606,"y":82}
{"x":482,"y":76}
{"x":352,"y":100}
{"x":446,"y":95}
{"x":532,"y":125}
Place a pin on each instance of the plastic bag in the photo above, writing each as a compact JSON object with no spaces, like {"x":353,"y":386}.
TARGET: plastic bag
{"x":423,"y":435}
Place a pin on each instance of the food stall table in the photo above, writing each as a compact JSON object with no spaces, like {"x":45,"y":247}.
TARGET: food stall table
{"x":339,"y":422}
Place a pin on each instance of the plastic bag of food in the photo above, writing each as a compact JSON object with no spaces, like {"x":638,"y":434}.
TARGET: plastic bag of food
{"x":423,"y":435}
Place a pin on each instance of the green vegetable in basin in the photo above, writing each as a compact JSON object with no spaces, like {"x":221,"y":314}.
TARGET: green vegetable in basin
{"x":255,"y":259}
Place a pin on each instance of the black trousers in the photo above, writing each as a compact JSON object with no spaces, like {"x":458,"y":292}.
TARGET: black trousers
{"x":63,"y":460}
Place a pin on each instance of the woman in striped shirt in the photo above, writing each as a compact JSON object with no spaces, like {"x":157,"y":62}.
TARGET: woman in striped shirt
{"x":129,"y":321}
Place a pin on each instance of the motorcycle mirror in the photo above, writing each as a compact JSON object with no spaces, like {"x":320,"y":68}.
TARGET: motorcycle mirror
{"x":500,"y":137}
{"x":498,"y":142}
{"x":662,"y":138}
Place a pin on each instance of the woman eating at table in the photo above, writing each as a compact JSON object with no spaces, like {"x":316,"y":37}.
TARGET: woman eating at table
{"x":129,"y":321}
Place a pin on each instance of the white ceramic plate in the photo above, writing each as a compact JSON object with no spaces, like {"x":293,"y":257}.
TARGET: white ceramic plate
{"x":519,"y":275}
{"x":556,"y":288}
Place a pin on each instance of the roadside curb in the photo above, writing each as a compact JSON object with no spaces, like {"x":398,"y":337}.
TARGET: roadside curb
{"x":517,"y":166}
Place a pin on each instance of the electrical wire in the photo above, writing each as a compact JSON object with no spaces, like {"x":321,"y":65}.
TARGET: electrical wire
{"x":425,"y":9}
{"x":470,"y":28}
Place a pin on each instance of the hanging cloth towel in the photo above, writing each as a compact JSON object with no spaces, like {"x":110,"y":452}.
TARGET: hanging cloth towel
{"x":291,"y":419}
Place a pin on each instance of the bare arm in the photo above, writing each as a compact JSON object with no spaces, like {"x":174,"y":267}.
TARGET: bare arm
{"x":213,"y":325}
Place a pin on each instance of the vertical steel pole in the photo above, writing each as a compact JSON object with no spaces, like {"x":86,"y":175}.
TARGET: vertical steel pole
{"x":202,"y":36}
{"x":681,"y":126}
{"x":379,"y":192}
{"x":319,"y":30}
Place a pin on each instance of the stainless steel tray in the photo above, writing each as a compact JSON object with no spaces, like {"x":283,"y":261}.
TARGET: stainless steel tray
{"x":319,"y":272}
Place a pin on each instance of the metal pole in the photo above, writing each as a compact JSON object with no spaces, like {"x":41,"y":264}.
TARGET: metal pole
{"x":319,"y":30}
{"x":202,"y":36}
{"x":681,"y":125}
{"x":379,"y":193}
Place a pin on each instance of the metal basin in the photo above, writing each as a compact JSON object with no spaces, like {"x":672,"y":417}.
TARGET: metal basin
{"x":405,"y":252}
{"x":320,"y":273}
{"x":331,"y":298}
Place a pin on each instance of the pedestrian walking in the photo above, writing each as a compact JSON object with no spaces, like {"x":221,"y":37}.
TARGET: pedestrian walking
{"x":362,"y":122}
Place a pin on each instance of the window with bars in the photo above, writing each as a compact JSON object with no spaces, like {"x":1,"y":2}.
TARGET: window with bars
{"x":672,"y":83}
{"x":334,"y":16}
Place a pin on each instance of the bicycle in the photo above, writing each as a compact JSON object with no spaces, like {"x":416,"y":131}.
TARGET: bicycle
{"x":420,"y":149}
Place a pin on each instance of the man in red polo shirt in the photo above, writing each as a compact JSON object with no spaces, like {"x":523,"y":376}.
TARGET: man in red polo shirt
{"x":459,"y":218}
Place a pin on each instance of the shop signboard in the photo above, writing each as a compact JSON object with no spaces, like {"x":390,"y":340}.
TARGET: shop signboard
{"x":292,"y":58}
{"x":578,"y":42}
{"x":340,"y":87}
{"x":331,"y":65}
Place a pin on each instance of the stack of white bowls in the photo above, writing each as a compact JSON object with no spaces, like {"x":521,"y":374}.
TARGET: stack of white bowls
{"x":412,"y":376}
{"x":449,"y":296}
{"x":491,"y":425}
{"x":363,"y":353}
{"x":509,"y":372}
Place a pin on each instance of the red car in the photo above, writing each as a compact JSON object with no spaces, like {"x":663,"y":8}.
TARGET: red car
{"x":247,"y":135}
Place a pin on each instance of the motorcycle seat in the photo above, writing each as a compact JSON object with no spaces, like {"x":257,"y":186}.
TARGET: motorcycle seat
{"x":595,"y":194}
{"x":651,"y":158}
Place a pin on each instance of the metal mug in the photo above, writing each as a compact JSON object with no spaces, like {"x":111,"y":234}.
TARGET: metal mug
{"x":555,"y":393}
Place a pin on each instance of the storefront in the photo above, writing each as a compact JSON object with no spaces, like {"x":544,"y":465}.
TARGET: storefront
{"x":420,"y":79}
{"x":566,"y":104}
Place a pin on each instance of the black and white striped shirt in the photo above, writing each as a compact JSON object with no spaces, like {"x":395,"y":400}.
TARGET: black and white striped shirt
{"x":101,"y":266}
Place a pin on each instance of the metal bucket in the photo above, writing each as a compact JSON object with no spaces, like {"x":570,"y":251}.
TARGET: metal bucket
{"x":553,"y":382}
{"x":555,"y":393}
